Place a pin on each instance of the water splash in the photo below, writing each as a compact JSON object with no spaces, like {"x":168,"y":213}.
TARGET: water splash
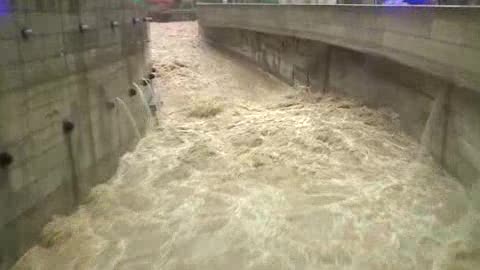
{"x":146,"y":107}
{"x":130,"y":117}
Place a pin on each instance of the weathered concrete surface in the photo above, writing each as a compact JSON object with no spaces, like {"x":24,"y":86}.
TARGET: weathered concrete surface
{"x":443,"y":41}
{"x":59,"y":73}
{"x":426,"y":88}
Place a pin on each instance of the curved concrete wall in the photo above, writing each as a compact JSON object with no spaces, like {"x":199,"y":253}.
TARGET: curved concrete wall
{"x":423,"y":62}
{"x":443,"y":41}
{"x":54,"y":74}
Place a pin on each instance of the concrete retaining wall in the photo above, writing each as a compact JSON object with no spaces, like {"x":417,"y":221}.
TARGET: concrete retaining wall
{"x":54,"y":74}
{"x":442,"y":41}
{"x":428,"y":75}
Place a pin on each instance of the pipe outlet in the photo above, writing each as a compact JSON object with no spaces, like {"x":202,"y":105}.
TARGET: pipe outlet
{"x":114,"y":24}
{"x":132,"y":92}
{"x":83,"y":27}
{"x":27,"y":33}
{"x":68,"y":126}
{"x":6,"y":159}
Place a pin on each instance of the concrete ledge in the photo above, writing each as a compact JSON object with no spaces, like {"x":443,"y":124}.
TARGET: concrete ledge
{"x":439,"y":40}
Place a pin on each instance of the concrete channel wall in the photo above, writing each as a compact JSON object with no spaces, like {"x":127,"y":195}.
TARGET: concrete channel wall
{"x":423,"y":62}
{"x":62,"y":64}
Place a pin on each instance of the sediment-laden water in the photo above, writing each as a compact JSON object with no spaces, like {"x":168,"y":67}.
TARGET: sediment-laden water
{"x":245,"y":172}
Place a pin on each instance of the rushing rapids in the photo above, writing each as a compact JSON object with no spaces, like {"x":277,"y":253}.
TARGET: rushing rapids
{"x":245,"y":172}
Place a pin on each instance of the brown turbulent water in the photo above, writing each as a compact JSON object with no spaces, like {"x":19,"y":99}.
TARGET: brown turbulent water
{"x":244,"y":172}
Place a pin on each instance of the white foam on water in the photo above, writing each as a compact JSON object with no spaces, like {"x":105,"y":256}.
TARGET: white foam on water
{"x":273,"y":181}
{"x":148,"y":112}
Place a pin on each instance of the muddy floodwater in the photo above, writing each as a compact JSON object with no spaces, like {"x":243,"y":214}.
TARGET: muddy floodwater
{"x":245,"y":172}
